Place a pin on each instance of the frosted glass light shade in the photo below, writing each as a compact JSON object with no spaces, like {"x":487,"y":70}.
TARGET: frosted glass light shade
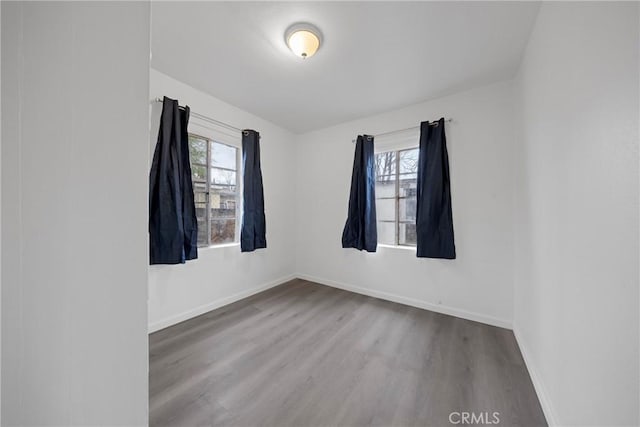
{"x":303,"y":40}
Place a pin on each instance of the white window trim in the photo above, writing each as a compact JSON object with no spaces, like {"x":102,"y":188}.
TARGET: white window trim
{"x":402,"y":247}
{"x":216,"y":133}
{"x":404,"y":140}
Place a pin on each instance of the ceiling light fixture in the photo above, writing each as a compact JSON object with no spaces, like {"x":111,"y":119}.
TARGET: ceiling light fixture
{"x":303,"y":39}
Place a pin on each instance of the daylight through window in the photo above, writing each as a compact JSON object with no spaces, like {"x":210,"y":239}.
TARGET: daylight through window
{"x":214,"y":170}
{"x":396,"y":181}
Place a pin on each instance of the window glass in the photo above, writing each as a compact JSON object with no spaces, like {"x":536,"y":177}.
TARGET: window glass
{"x":407,"y":234}
{"x":197,"y":150}
{"x":223,"y":155}
{"x":215,"y":186}
{"x":409,"y":161}
{"x":198,"y":156}
{"x":223,"y":231}
{"x":223,"y":179}
{"x":386,"y":166}
{"x":387,"y":232}
{"x":396,"y":196}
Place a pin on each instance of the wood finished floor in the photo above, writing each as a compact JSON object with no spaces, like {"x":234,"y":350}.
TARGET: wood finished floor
{"x":304,"y":354}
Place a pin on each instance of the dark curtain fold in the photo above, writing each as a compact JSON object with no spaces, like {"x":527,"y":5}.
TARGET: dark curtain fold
{"x":253,"y":234}
{"x":360,"y":229}
{"x":434,"y":219}
{"x":173,"y":228}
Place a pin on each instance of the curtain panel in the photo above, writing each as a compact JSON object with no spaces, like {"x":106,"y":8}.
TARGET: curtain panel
{"x":360,"y":230}
{"x":434,"y":219}
{"x":253,"y":233}
{"x":173,"y":228}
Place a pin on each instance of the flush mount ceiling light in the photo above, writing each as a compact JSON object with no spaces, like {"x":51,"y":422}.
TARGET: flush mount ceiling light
{"x":303,"y":39}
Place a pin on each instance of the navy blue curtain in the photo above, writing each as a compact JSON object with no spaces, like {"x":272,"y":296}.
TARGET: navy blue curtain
{"x":360,"y":229}
{"x":173,"y":228}
{"x":253,"y":234}
{"x":434,"y":221}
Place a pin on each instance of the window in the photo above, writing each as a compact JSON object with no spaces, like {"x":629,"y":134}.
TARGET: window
{"x":396,"y":196}
{"x":214,"y":171}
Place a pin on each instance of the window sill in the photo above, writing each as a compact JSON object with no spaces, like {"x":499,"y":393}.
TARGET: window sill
{"x":404,"y":248}
{"x":223,"y":245}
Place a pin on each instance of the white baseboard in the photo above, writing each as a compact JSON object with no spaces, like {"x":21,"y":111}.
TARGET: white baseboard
{"x":543,"y":396}
{"x":186,"y":315}
{"x":464,"y":314}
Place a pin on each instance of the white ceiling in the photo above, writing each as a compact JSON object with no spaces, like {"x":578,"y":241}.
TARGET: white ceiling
{"x":375,"y":57}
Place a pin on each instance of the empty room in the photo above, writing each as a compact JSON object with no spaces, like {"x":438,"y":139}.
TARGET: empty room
{"x":320,"y":214}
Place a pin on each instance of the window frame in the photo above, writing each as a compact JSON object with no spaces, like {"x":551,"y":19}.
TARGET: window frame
{"x":223,"y":139}
{"x":396,"y":198}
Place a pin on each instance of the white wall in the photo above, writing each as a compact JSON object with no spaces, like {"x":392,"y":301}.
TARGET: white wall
{"x":477,"y":285}
{"x":74,"y":213}
{"x":576,"y":293}
{"x":224,"y":274}
{"x":0,"y":216}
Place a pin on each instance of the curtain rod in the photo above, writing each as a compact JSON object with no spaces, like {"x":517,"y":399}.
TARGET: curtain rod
{"x":405,"y":129}
{"x":210,"y":120}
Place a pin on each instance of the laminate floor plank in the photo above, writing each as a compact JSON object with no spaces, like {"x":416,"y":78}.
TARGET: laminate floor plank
{"x":304,"y":354}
